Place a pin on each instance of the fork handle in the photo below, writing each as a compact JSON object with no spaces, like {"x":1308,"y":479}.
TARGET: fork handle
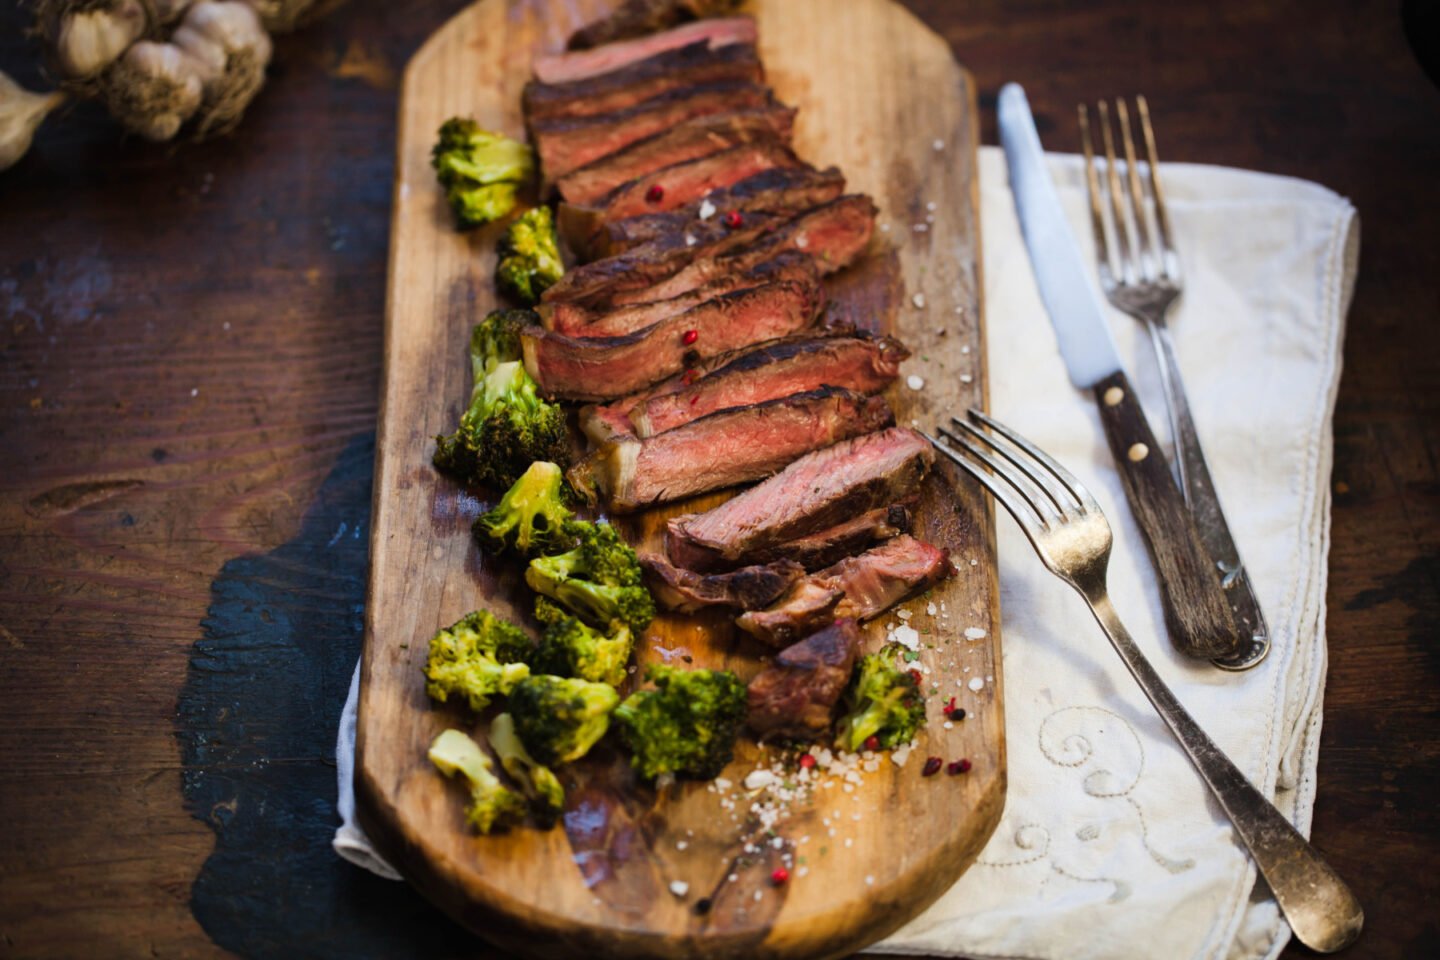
{"x":1197,"y":615}
{"x":1320,"y":908}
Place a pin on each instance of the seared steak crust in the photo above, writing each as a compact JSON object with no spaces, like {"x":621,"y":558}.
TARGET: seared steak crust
{"x":748,"y":588}
{"x":820,"y":550}
{"x":796,"y":695}
{"x":637,"y":18}
{"x":816,"y":492}
{"x":578,"y":65}
{"x":806,"y":607}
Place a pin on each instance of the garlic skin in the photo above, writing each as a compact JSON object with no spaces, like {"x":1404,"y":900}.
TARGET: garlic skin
{"x":230,"y":50}
{"x":21,"y":113}
{"x":87,"y":41}
{"x":153,"y":89}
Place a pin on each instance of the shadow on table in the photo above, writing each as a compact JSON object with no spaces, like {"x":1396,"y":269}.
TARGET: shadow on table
{"x":256,"y":722}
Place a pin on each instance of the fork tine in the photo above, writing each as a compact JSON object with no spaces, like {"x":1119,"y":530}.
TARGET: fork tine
{"x":1137,"y":200}
{"x":1097,"y":212}
{"x":1169,"y":261}
{"x":1122,"y":230}
{"x":1009,"y":493}
{"x":1076,"y":489}
{"x":1064,"y":503}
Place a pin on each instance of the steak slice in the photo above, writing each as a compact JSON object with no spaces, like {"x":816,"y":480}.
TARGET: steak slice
{"x":687,"y":66}
{"x":796,"y":695}
{"x":606,"y":367}
{"x":580,"y":65}
{"x":748,"y":588}
{"x":815,"y":493}
{"x":779,"y":189}
{"x":820,"y":550}
{"x":697,"y":137}
{"x":580,"y":321}
{"x":806,"y":607}
{"x":636,"y":18}
{"x":567,"y":143}
{"x":685,"y":183}
{"x":862,"y":364}
{"x":862,"y":587}
{"x":727,"y":448}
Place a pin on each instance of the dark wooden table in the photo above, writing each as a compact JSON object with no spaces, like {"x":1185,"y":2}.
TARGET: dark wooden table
{"x":190,"y":347}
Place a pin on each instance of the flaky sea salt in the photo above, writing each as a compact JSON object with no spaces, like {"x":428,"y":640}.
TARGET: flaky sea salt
{"x":707,"y":210}
{"x":915,"y":382}
{"x":974,"y":633}
{"x":679,"y":887}
{"x":977,"y":684}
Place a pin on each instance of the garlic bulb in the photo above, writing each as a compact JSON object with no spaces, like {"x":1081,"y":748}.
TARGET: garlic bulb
{"x":88,"y":37}
{"x":21,"y":113}
{"x":230,"y":50}
{"x":153,"y":89}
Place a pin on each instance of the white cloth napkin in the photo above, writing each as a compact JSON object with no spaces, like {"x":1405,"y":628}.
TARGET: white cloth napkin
{"x":1110,"y":846}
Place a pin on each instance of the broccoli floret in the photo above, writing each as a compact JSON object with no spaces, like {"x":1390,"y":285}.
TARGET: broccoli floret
{"x":686,"y":726}
{"x":530,"y":519}
{"x":560,"y":718}
{"x":480,"y":171}
{"x":507,"y":426}
{"x":883,"y":702}
{"x":493,"y":806}
{"x":569,"y":648}
{"x":529,"y":256}
{"x":542,"y":788}
{"x":476,"y":658}
{"x":599,"y":581}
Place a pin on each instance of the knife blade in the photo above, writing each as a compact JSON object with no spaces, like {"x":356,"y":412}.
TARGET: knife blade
{"x":1197,"y":615}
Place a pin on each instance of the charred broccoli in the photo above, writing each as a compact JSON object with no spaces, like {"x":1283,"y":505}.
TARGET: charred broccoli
{"x":599,"y":581}
{"x":492,"y":806}
{"x":558,"y":719}
{"x":686,"y":726}
{"x":883,"y":702}
{"x":530,"y":519}
{"x":507,"y":426}
{"x":529,"y":256}
{"x":542,"y":788}
{"x":569,"y":648}
{"x":480,"y":171}
{"x":476,"y":658}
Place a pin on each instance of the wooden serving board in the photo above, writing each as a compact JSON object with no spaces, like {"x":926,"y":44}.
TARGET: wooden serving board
{"x":880,"y":96}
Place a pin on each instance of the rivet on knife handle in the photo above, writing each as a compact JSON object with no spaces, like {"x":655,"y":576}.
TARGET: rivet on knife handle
{"x":1196,"y":611}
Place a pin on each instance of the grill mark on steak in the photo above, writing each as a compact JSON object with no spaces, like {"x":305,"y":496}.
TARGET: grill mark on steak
{"x":727,"y":448}
{"x":637,"y":18}
{"x":796,"y":695}
{"x":567,"y":143}
{"x":580,"y":65}
{"x":820,"y":550}
{"x":697,"y":137}
{"x":864,"y":365}
{"x":748,"y":588}
{"x":684,"y":183}
{"x":857,"y":587}
{"x":691,"y":65}
{"x":607,"y":367}
{"x":814,"y":493}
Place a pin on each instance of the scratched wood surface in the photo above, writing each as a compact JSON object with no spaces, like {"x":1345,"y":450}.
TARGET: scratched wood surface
{"x":876,"y":91}
{"x":158,"y":546}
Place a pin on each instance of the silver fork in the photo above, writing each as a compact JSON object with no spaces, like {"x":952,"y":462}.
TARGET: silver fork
{"x":1072,"y":536}
{"x":1147,"y":283}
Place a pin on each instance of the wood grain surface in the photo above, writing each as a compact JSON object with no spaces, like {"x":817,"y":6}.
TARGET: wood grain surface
{"x":180,"y":578}
{"x":875,"y":90}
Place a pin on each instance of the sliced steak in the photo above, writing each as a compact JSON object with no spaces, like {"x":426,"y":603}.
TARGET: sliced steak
{"x":862,"y":364}
{"x":806,"y":607}
{"x":603,"y":368}
{"x":580,"y":65}
{"x":796,"y":695}
{"x":671,"y":188}
{"x":749,"y":588}
{"x":788,"y":190}
{"x":580,"y":321}
{"x":637,"y":18}
{"x":688,"y":66}
{"x":697,"y":137}
{"x":727,"y":448}
{"x":816,"y":492}
{"x":820,"y":550}
{"x":567,"y":143}
{"x":856,"y":587}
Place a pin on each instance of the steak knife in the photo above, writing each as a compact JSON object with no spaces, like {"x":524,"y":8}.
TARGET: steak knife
{"x":1197,"y":614}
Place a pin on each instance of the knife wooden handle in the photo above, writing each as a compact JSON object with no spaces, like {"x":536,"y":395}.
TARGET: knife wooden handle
{"x":1196,"y":612}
